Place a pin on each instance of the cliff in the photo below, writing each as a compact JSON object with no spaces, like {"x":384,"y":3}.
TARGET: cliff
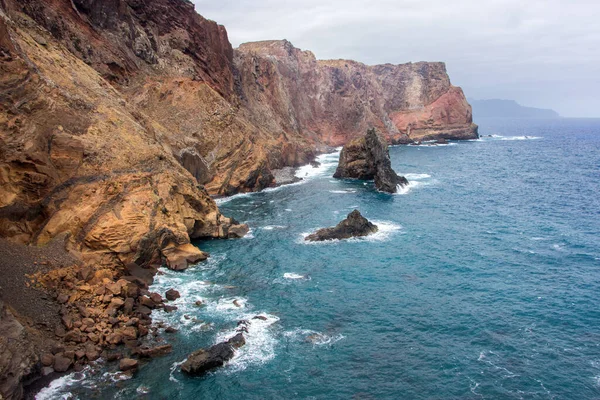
{"x":120,"y":118}
{"x":334,"y":101}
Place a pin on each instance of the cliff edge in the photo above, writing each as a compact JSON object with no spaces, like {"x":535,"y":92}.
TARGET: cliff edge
{"x":120,"y":118}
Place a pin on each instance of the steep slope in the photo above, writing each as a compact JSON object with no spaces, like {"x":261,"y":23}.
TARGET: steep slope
{"x":334,"y":101}
{"x":119,"y":119}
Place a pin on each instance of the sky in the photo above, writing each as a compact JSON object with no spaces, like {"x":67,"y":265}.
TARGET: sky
{"x":541,"y":53}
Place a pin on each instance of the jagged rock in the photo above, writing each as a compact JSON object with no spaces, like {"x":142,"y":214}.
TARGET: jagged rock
{"x":179,"y":257}
{"x":354,"y":225}
{"x":156,"y":298}
{"x":172,"y":294}
{"x":237,"y":231}
{"x":203,"y":360}
{"x":169,"y":308}
{"x":62,"y":363}
{"x":128,"y":364}
{"x":368,"y":158}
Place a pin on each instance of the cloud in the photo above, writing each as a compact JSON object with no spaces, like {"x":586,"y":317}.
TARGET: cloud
{"x":539,"y":52}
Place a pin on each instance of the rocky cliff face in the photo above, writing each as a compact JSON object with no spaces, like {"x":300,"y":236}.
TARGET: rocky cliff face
{"x":334,"y":101}
{"x":119,"y":119}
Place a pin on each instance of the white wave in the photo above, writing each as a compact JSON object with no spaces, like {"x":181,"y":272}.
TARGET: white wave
{"x":58,"y":389}
{"x":520,"y":138}
{"x":501,"y":137}
{"x":386,"y":229}
{"x":402,"y":190}
{"x":142,"y":390}
{"x":432,"y":144}
{"x":227,"y":305}
{"x":292,"y":275}
{"x":416,"y":177}
{"x":223,"y":200}
{"x":249,"y":235}
{"x":558,"y":246}
{"x":174,"y":367}
{"x":314,"y":337}
{"x":276,"y":188}
{"x":260,"y":342}
{"x":347,"y":191}
{"x":326,"y":163}
{"x":271,"y":227}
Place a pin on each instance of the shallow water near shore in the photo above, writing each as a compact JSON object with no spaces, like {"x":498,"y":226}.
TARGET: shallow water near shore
{"x":483,"y":282}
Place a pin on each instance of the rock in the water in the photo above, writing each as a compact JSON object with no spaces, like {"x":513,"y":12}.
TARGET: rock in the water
{"x":157,"y":351}
{"x":285,"y":176}
{"x":368,"y":158}
{"x":179,"y":257}
{"x":203,"y":360}
{"x":354,"y":225}
{"x":172,"y":294}
{"x":127,"y":364}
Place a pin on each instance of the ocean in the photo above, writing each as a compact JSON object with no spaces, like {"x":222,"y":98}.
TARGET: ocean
{"x":483,"y":282}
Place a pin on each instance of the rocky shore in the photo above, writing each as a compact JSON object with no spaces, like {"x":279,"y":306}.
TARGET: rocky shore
{"x":118,"y":122}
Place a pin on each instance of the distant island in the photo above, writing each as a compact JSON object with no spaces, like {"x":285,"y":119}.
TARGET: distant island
{"x":508,"y":109}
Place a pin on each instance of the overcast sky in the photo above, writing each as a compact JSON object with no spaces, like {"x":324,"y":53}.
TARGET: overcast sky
{"x":542,"y":53}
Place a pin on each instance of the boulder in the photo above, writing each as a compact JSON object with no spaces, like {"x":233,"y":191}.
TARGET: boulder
{"x":157,"y":351}
{"x":237,"y":231}
{"x":172,"y":294}
{"x":128,"y":364}
{"x":203,"y":360}
{"x":62,"y":363}
{"x":179,"y":257}
{"x":353,"y":226}
{"x":368,"y":158}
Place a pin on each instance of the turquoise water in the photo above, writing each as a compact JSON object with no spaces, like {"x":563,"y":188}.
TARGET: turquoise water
{"x":484,"y":282}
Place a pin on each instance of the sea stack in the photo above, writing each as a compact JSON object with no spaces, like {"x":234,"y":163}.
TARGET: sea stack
{"x":368,"y":158}
{"x":354,"y":225}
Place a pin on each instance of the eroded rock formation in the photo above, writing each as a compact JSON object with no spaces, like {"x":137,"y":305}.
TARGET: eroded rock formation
{"x":368,"y":158}
{"x":119,"y":119}
{"x":355,"y":225}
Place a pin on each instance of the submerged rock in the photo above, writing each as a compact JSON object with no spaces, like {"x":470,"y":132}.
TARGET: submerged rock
{"x":203,"y":360}
{"x":368,"y":158}
{"x":354,"y":225}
